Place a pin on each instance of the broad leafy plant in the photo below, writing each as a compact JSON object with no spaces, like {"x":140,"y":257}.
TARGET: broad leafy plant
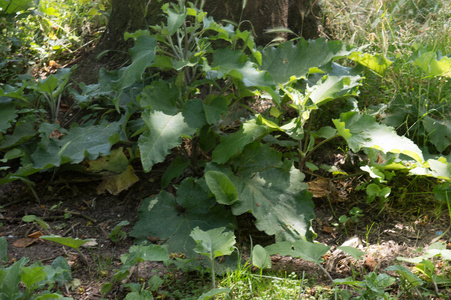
{"x":36,"y":281}
{"x":239,"y":119}
{"x":245,"y":172}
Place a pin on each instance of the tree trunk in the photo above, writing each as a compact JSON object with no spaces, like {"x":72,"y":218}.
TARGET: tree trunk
{"x":301,"y":16}
{"x":126,"y":16}
{"x":258,"y":16}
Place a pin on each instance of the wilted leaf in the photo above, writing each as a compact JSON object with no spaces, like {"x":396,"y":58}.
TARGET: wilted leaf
{"x":118,"y":183}
{"x":319,"y":187}
{"x":116,"y":162}
{"x":35,"y":234}
{"x":24,"y":242}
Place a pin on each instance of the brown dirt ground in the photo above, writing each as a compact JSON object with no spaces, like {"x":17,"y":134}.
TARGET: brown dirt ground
{"x":396,"y":230}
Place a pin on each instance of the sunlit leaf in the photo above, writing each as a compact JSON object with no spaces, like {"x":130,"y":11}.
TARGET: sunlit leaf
{"x":222,"y":187}
{"x":289,"y":59}
{"x":214,"y":242}
{"x":65,"y":241}
{"x":362,"y":131}
{"x":165,"y":132}
{"x":433,"y":65}
{"x":261,"y":258}
{"x":306,"y":250}
{"x":340,"y":82}
{"x":378,"y":63}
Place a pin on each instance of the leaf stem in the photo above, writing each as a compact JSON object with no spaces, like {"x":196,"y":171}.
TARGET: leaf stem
{"x":325,"y":272}
{"x":307,"y":156}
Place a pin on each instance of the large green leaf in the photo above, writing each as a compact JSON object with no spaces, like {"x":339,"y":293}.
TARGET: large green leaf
{"x":10,"y":278}
{"x":23,"y":132}
{"x":300,"y":248}
{"x":172,"y":219}
{"x":165,"y":132}
{"x":140,"y":253}
{"x":362,"y":131}
{"x":340,"y":82}
{"x":143,"y":53}
{"x":77,"y":144}
{"x":222,"y":187}
{"x":439,"y":132}
{"x":8,"y":114}
{"x":15,"y":6}
{"x":256,"y":157}
{"x":175,"y":20}
{"x":214,"y":242}
{"x":234,"y":143}
{"x":214,"y":110}
{"x":31,"y":275}
{"x":161,"y":96}
{"x":234,"y":63}
{"x":290,"y":59}
{"x":277,"y":198}
{"x":434,"y":65}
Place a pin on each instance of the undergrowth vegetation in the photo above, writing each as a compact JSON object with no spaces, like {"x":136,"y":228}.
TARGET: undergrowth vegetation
{"x":239,"y":128}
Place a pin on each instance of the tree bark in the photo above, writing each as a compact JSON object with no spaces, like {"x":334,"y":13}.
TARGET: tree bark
{"x":111,"y":51}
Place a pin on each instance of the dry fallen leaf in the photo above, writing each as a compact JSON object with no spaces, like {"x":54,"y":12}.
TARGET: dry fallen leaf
{"x":25,"y":242}
{"x":320,"y":187}
{"x":328,"y":229}
{"x":35,"y":234}
{"x":370,"y":263}
{"x":118,"y":183}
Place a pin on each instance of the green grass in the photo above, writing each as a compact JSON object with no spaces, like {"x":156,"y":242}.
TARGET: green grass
{"x":399,"y":30}
{"x":245,"y":284}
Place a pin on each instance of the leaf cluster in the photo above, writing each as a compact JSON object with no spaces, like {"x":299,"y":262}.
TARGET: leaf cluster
{"x":193,"y":88}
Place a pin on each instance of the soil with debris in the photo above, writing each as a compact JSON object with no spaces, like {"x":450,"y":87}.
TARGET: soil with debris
{"x":72,"y":208}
